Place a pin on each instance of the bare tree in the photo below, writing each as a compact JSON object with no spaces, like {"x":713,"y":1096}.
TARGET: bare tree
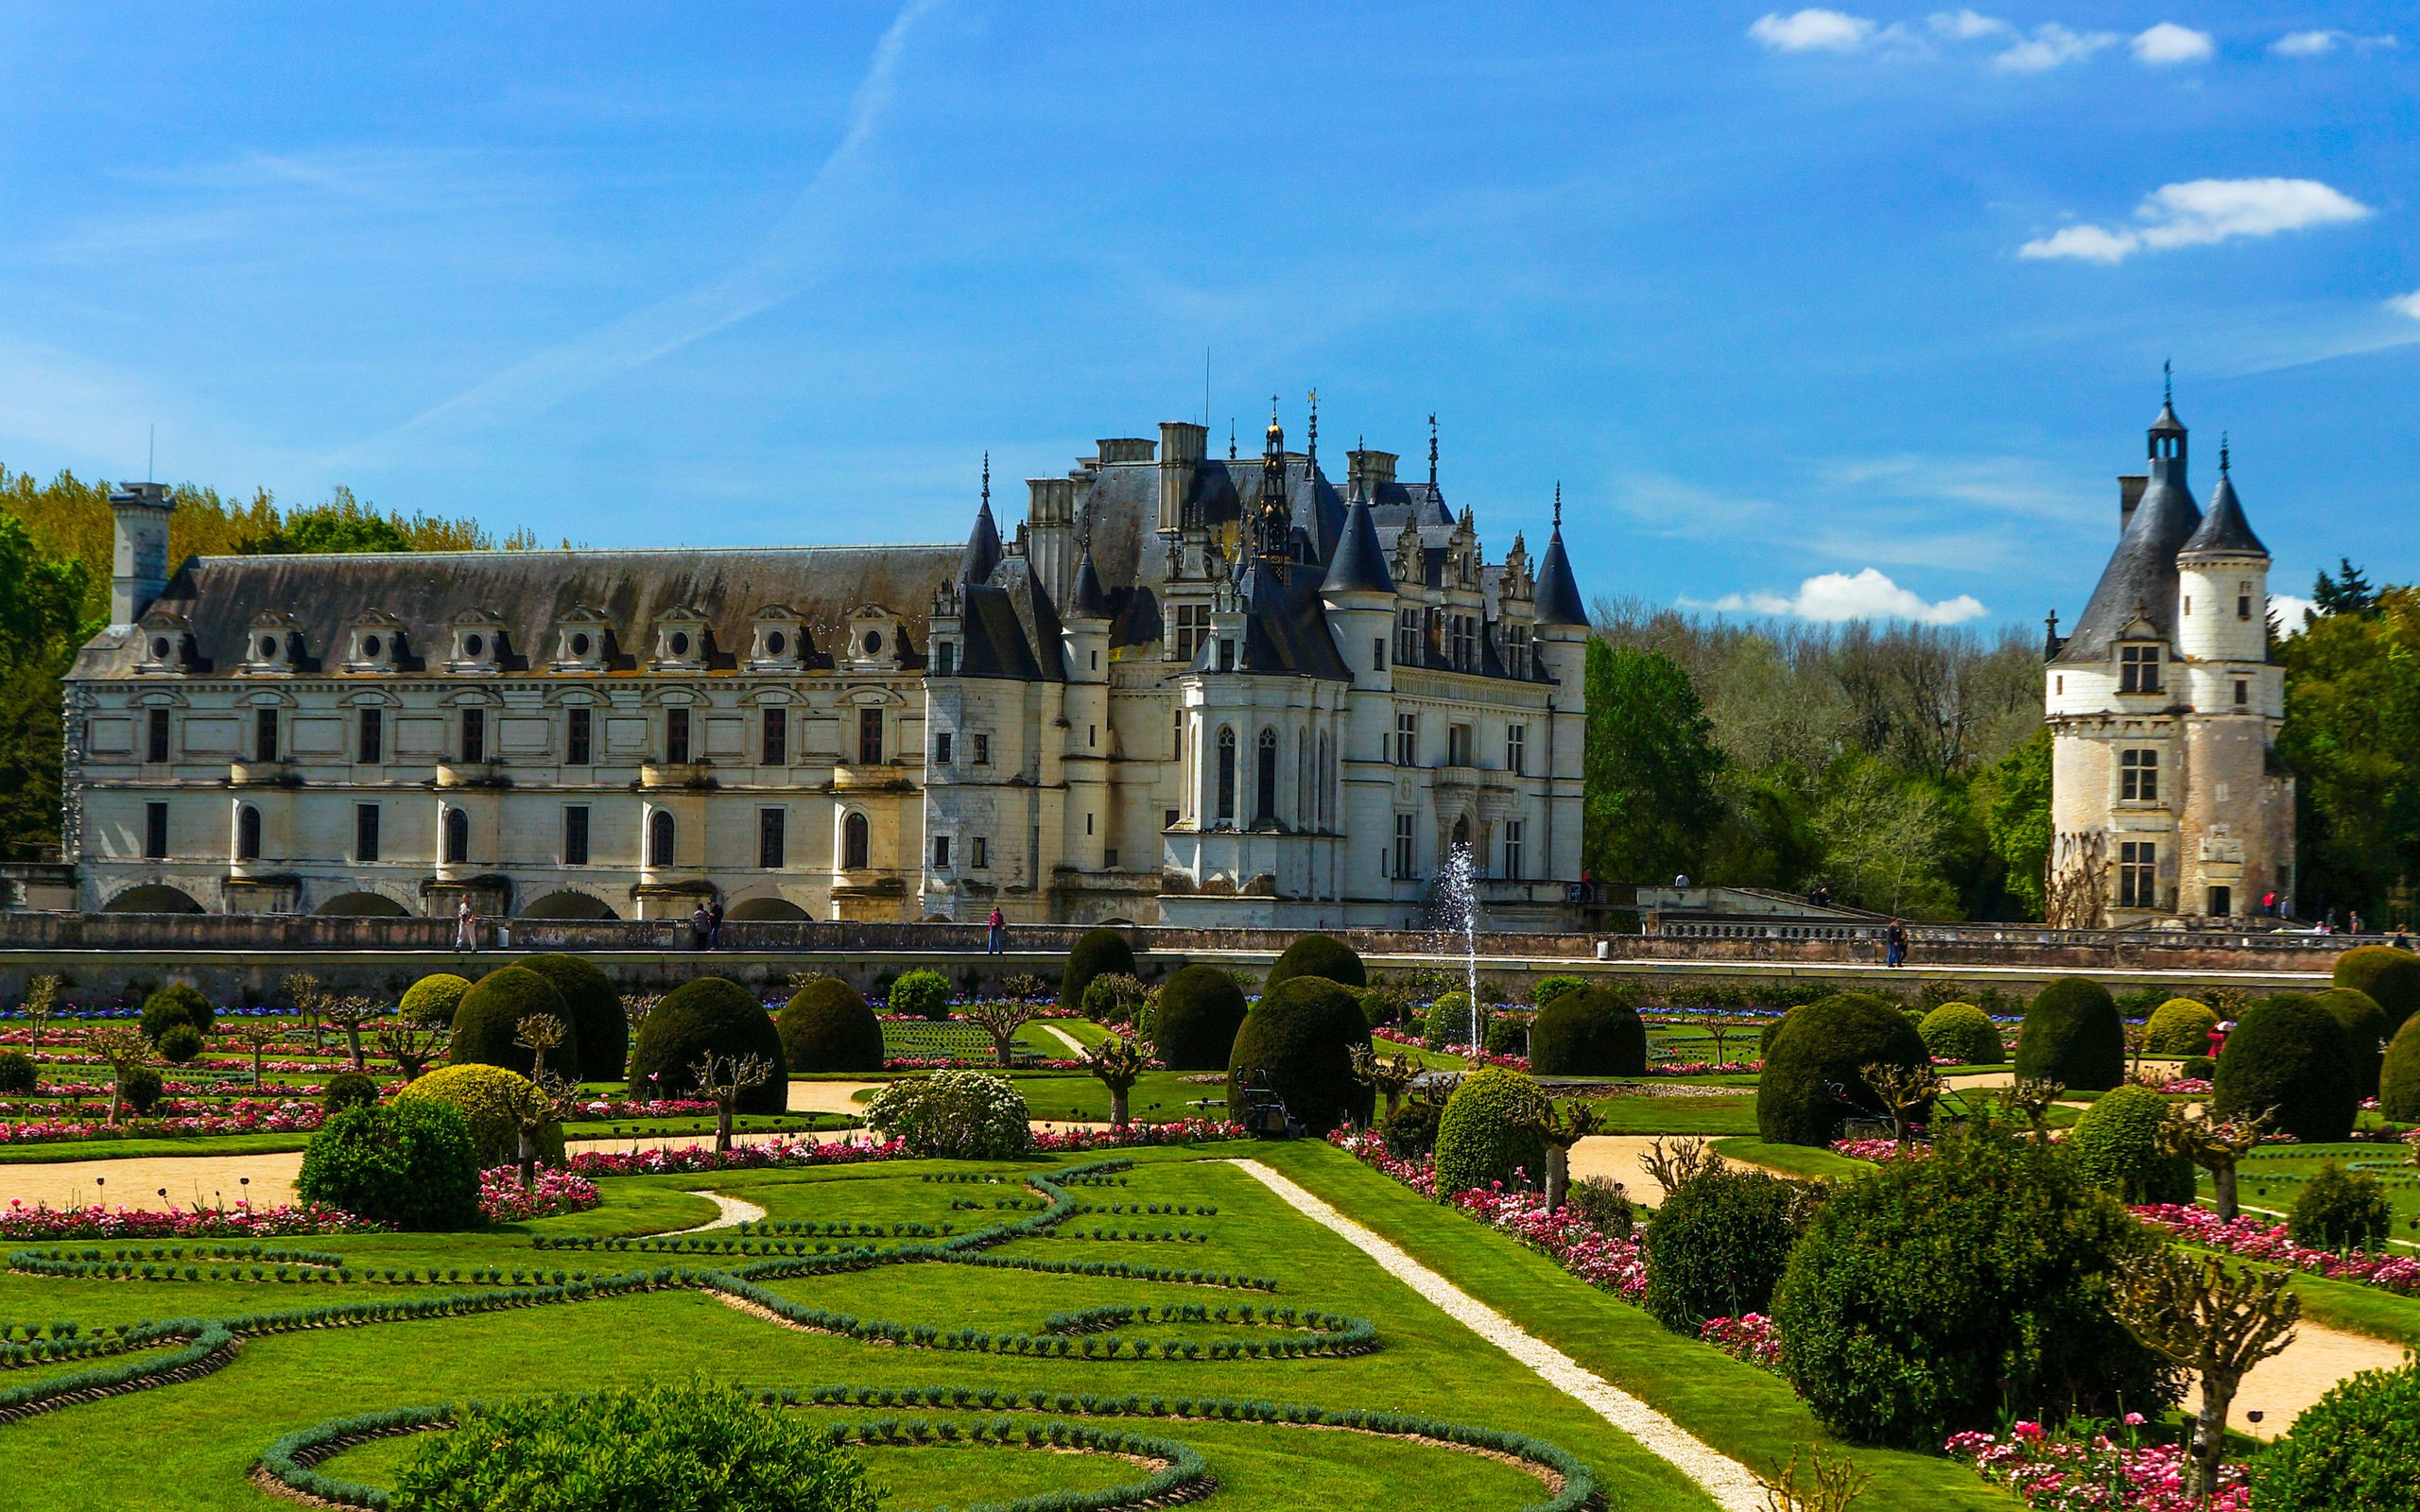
{"x":636,"y":1006}
{"x":1827,"y":1483}
{"x":538,"y":1106}
{"x":257,"y":1035}
{"x":1026,"y":987}
{"x":1119,"y":1062}
{"x":2215,"y":1321}
{"x":1561,"y":1128}
{"x":1125,"y":991}
{"x":41,"y":1000}
{"x":1688,"y":1158}
{"x":412,"y":1046}
{"x":1390,"y":1076}
{"x":539,"y":1033}
{"x":1904,"y":1092}
{"x":2076,"y":888}
{"x":122,"y":1047}
{"x":303,"y":989}
{"x":2033,"y":1097}
{"x":1001,"y":1018}
{"x":723,"y":1079}
{"x":2214,"y":1144}
{"x":351,"y":1014}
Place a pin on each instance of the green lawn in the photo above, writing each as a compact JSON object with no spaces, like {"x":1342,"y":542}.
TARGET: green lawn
{"x":109,"y":1149}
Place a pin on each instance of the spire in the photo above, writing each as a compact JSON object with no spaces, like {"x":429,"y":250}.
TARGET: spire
{"x":1361,"y":563}
{"x":1087,"y":600}
{"x":983,"y":551}
{"x":2223,"y":453}
{"x":1272,"y":531}
{"x":1556,"y":593}
{"x":1311,"y":435}
{"x":2167,"y":433}
{"x":1557,"y":506}
{"x":2224,"y":531}
{"x":1231,"y":437}
{"x":1432,"y":448}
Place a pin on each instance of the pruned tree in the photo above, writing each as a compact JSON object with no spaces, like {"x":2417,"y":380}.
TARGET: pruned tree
{"x":1125,"y":991}
{"x":1118,"y":1063}
{"x":2076,"y":891}
{"x":722,"y":1080}
{"x":2138,"y":1039}
{"x":1561,"y":1128}
{"x":1001,"y":1018}
{"x":2033,"y":1097}
{"x":1904,"y":1092}
{"x":539,"y":1033}
{"x":637,"y":1005}
{"x":41,"y":1000}
{"x":1390,"y":1076}
{"x":412,"y":1046}
{"x":1688,"y":1158}
{"x":2215,"y":1321}
{"x":122,"y":1048}
{"x":257,"y":1035}
{"x":303,"y":990}
{"x":2215,"y":1144}
{"x":1026,"y":987}
{"x":547,"y":1100}
{"x":1825,"y":1483}
{"x":350,"y":1015}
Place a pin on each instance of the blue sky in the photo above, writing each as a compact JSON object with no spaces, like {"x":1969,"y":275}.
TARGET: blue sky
{"x":1810,"y":311}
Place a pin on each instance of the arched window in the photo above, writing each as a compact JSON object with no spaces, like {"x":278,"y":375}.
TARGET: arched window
{"x":458,"y":836}
{"x":1303,"y":805}
{"x":1226,"y":776}
{"x":1265,"y":799}
{"x":1327,"y":782}
{"x":854,"y":843}
{"x":1463,"y":833}
{"x":248,"y":834}
{"x":659,"y":838}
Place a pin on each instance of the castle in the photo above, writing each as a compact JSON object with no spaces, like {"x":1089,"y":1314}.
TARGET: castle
{"x":2168,"y":799}
{"x":1187,"y":691}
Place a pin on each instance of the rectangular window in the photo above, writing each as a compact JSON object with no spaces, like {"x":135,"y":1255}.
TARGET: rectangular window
{"x":982,"y":853}
{"x":1407,"y":740}
{"x":868,"y":738}
{"x":370,"y":745}
{"x":1091,"y":736}
{"x":1465,"y":634}
{"x":1167,"y":819}
{"x":1226,"y":654}
{"x":945,"y":659}
{"x":676,"y":736}
{"x":576,"y":746}
{"x":941,"y":852}
{"x":776,"y":737}
{"x":2137,"y":874}
{"x":2243,"y":601}
{"x":364,"y":831}
{"x":575,"y":832}
{"x":1517,"y":651}
{"x":2242,"y":693}
{"x":1378,"y":653}
{"x":155,"y":832}
{"x":1407,"y":637}
{"x":2138,"y":776}
{"x":941,"y":748}
{"x":771,"y":837}
{"x":1512,"y":850}
{"x":982,"y":750}
{"x":1403,"y":848}
{"x":475,"y":734}
{"x":263,"y":735}
{"x":155,"y":741}
{"x":1458,"y":744}
{"x":1517,"y":749}
{"x":1192,"y":631}
{"x":2221,"y":903}
{"x":2138,"y":668}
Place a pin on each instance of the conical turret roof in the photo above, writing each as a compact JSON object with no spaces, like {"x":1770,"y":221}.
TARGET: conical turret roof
{"x":1558,"y":590}
{"x":2224,"y":531}
{"x":1360,"y":564}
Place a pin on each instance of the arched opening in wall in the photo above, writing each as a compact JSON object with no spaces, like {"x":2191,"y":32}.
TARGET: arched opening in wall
{"x":248,"y":834}
{"x":1463,"y":833}
{"x":569,"y":906}
{"x":1264,"y":808}
{"x":152,"y":899}
{"x":362,"y":906}
{"x":457,"y":836}
{"x":1226,"y":776}
{"x":660,"y":835}
{"x":767,"y":911}
{"x":856,"y":843}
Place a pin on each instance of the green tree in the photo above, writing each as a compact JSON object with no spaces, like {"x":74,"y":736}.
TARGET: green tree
{"x":42,"y":622}
{"x":1885,"y":838}
{"x":1650,"y":766}
{"x":2352,"y":721}
{"x":2013,"y":796}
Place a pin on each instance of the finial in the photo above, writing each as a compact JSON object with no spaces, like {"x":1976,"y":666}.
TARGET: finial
{"x":1558,"y":507}
{"x":1231,"y":437}
{"x":1311,"y":433}
{"x":1432,"y":448}
{"x":987,"y":480}
{"x":2167,"y":381}
{"x":2223,"y":453}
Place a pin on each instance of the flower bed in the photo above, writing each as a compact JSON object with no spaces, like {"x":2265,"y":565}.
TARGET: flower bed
{"x":2255,"y":1238}
{"x":1617,"y":1265}
{"x":985,"y":1061}
{"x":242,"y":1221}
{"x":1748,"y":1337}
{"x":1879,"y":1150}
{"x":504,"y":1199}
{"x":244,"y":1117}
{"x":2095,"y":1474}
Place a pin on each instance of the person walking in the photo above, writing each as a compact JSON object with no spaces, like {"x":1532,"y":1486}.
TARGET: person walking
{"x":996,"y":935}
{"x":701,"y":928}
{"x":466,"y":926}
{"x":2353,"y":922}
{"x":1895,"y":944}
{"x":714,"y":925}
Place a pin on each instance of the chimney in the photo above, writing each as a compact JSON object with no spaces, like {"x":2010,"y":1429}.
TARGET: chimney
{"x":1123,"y":449}
{"x":2130,"y":493}
{"x":1182,"y":446}
{"x":139,"y":568}
{"x":1050,"y":533}
{"x":1366,"y":470}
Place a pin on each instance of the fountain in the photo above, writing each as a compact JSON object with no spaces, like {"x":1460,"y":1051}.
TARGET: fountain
{"x":1457,"y":911}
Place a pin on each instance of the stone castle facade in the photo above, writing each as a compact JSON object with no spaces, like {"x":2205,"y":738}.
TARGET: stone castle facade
{"x":1188,"y":690}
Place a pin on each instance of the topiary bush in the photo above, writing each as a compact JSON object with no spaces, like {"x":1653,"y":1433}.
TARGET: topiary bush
{"x":697,"y":1446}
{"x":1097,"y":953}
{"x":1321,"y":955}
{"x":826,"y":1026}
{"x":492,"y":1100}
{"x":966,"y":1115}
{"x":1300,"y":1036}
{"x":2340,"y":1209}
{"x":1962,"y":1290}
{"x":1588,"y":1033}
{"x":2073,"y":1036}
{"x":2116,"y":1144}
{"x":1824,"y":1045}
{"x":1551,"y":988}
{"x":709,"y":1014}
{"x":2366,"y":1032}
{"x":2399,"y":1074}
{"x":2390,"y":976}
{"x":490,"y":1014}
{"x":1718,"y":1244}
{"x":1489,"y":1133}
{"x":2179,"y":1026}
{"x":2290,"y":1054}
{"x":1450,"y":1020}
{"x":1507,"y":1035}
{"x":1962,"y":1033}
{"x":17,"y":1073}
{"x":922,"y":993}
{"x":597,"y":1023}
{"x":1201,"y":1008}
{"x":2200,"y":1068}
{"x":141,"y":1089}
{"x":410,"y":1163}
{"x":432,"y":1000}
{"x":348,"y":1089}
{"x":177,"y":1003}
{"x":180,"y":1045}
{"x":1410,"y":1131}
{"x":2355,"y":1449}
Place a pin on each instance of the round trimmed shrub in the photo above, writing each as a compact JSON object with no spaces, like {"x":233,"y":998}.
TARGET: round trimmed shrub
{"x":491,"y":1013}
{"x":1489,"y":1133}
{"x":410,"y":1163}
{"x":1551,"y":988}
{"x":2340,"y":1209}
{"x":180,"y":1045}
{"x":2291,"y":1054}
{"x":1321,"y":955}
{"x":709,"y":1014}
{"x":1507,"y":1035}
{"x":1450,"y":1020}
{"x":2390,"y":976}
{"x":1410,"y":1131}
{"x":1825,"y":1045}
{"x":432,"y":1000}
{"x":1960,"y":1289}
{"x":491,"y":1100}
{"x":2115,"y":1143}
{"x":1718,"y":1244}
{"x":1300,"y":1036}
{"x":17,"y":1073}
{"x":1201,"y":1008}
{"x":920,"y":992}
{"x":597,"y":1023}
{"x":826,"y":1026}
{"x":2399,"y":1074}
{"x":141,"y":1089}
{"x":1771,"y":1031}
{"x":1097,"y":953}
{"x":1588,"y":1033}
{"x":2366,"y":1032}
{"x":2072,"y":1035}
{"x":349,"y":1088}
{"x":1962,"y":1033}
{"x":2355,"y":1449}
{"x":177,"y":1003}
{"x":2180,"y":1026}
{"x":965,"y":1115}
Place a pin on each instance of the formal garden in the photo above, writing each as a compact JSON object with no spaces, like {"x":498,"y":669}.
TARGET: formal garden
{"x":1327,"y":1236}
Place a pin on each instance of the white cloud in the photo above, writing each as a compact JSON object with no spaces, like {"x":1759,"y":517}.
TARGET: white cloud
{"x":1812,"y":30}
{"x":2168,"y":44}
{"x":2290,"y":612}
{"x":2314,"y":43}
{"x":2052,"y":47}
{"x":1967,"y":26}
{"x":1830,"y":597}
{"x":2201,"y":212}
{"x":2406,"y":304}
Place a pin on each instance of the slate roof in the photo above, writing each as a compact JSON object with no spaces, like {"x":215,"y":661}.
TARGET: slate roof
{"x":2141,"y":574}
{"x":1558,"y":590}
{"x":1360,"y":563}
{"x":2224,"y":531}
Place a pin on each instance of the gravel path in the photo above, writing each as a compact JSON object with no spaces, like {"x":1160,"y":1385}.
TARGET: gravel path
{"x":1074,"y":1046}
{"x":730,"y":1213}
{"x":1724,"y":1479}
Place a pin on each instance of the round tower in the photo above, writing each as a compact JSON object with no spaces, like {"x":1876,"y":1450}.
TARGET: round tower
{"x":2222,"y":584}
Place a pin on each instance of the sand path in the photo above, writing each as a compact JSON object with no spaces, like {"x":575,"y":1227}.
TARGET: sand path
{"x":1623,"y":1157}
{"x":2283,"y":1388}
{"x":829,"y":1097}
{"x":729,"y":1212}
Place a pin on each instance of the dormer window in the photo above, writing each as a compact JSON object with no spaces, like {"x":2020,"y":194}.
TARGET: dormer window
{"x":374,"y":643}
{"x":780,"y":639}
{"x":679,"y":642}
{"x":167,"y":642}
{"x":478,"y":643}
{"x":274,"y":644}
{"x":2138,"y":668}
{"x":582,"y":642}
{"x":874,"y":644}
